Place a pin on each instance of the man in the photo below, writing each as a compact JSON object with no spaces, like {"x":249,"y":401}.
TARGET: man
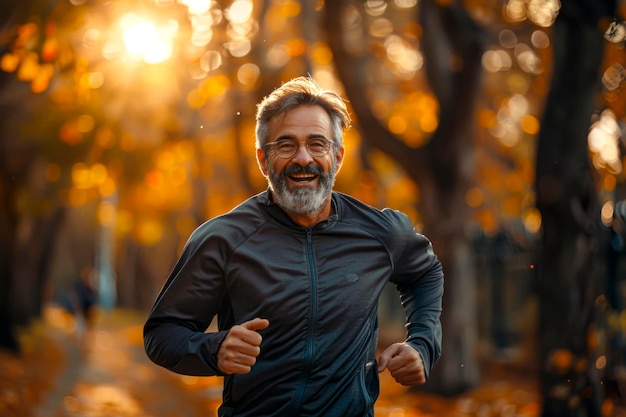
{"x":294,"y":275}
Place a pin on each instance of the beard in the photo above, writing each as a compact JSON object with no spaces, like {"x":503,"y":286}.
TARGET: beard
{"x":304,"y":201}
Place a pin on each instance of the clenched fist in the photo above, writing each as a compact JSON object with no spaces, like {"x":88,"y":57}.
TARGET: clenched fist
{"x":404,"y":363}
{"x":241,"y":347}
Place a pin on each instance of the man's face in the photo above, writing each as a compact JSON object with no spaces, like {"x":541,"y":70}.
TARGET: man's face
{"x":301,"y":184}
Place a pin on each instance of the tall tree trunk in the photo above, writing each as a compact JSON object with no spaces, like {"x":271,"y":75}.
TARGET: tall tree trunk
{"x":568,"y":202}
{"x":32,"y":265}
{"x":10,"y":13}
{"x":442,"y":169}
{"x":8,"y":220}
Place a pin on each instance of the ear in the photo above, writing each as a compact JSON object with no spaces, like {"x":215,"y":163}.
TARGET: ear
{"x":339,"y":158}
{"x":261,"y":161}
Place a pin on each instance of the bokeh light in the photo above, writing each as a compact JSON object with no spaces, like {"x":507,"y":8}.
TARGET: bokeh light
{"x":603,"y":139}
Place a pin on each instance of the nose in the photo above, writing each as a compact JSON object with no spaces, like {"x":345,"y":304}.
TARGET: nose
{"x":302,"y":156}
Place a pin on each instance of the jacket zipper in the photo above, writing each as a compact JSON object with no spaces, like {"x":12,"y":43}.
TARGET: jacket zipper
{"x":310,"y":346}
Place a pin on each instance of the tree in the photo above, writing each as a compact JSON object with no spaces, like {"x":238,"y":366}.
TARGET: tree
{"x":571,"y":239}
{"x":16,"y":159}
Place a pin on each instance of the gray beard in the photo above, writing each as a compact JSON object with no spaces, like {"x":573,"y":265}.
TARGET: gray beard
{"x":302,"y":201}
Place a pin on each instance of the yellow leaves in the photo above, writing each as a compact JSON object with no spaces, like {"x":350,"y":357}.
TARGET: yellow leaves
{"x":42,"y":78}
{"x":25,"y":61}
{"x":73,"y":131}
{"x":9,"y":62}
{"x":50,"y":49}
{"x":563,"y":361}
{"x":85,"y":177}
{"x":26,"y":35}
{"x":29,"y":67}
{"x":296,"y":47}
{"x":210,"y":88}
{"x":487,"y":119}
{"x":397,"y":125}
{"x":290,"y":8}
{"x":321,"y":54}
{"x":530,"y":124}
{"x":531,"y":218}
{"x":411,"y":117}
{"x":106,"y":213}
{"x":148,"y":231}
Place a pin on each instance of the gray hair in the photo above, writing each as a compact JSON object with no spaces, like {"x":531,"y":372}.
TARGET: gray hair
{"x":296,"y":92}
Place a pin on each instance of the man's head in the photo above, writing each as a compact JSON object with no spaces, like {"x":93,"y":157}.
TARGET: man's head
{"x":301,"y":91}
{"x":299,"y":138}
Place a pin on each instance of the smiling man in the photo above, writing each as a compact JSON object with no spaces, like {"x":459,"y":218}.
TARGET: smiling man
{"x":294,"y":276}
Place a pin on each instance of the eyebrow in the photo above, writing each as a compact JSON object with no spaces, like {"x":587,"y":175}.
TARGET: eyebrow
{"x":292,"y":137}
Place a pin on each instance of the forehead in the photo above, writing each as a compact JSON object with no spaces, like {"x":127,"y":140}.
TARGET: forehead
{"x":303,"y":118}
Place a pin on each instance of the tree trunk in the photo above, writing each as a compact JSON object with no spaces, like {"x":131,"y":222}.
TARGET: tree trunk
{"x":32,"y":266}
{"x":568,"y":202}
{"x":8,"y":220}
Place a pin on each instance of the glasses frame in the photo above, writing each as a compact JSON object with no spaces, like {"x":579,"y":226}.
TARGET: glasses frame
{"x":306,"y":145}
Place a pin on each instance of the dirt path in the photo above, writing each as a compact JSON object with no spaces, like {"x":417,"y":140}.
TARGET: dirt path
{"x":107,"y":374}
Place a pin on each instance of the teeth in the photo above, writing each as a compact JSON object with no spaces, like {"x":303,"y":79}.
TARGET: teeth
{"x":302,"y":177}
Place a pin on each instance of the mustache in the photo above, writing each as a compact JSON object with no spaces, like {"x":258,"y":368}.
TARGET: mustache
{"x":297,"y":169}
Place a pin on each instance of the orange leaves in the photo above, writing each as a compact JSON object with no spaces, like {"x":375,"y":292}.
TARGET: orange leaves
{"x":9,"y":62}
{"x":29,"y":67}
{"x":29,"y":64}
{"x":50,"y":49}
{"x":562,"y":360}
{"x":211,"y":88}
{"x":72,"y":131}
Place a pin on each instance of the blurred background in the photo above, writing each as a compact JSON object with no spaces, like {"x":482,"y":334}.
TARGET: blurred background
{"x":498,"y":126}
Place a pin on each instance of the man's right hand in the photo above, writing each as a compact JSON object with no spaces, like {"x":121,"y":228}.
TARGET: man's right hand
{"x":241,"y":347}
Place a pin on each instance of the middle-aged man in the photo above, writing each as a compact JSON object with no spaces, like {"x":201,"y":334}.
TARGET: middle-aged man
{"x":294,"y":275}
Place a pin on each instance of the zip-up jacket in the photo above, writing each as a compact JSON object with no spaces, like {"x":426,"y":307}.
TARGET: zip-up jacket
{"x":319,"y":288}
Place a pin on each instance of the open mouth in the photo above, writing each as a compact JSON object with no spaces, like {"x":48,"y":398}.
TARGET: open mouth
{"x":303,"y":175}
{"x":302,"y":178}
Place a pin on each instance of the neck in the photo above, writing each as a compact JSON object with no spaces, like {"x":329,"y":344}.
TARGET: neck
{"x":310,"y":221}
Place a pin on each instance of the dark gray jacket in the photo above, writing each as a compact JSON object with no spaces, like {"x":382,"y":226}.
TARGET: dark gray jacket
{"x":319,"y":289}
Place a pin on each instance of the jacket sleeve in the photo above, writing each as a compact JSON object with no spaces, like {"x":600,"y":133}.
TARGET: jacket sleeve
{"x":174,"y":332}
{"x":418,"y":275}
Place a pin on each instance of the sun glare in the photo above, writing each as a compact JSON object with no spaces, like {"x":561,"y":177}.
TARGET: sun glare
{"x":146,"y":41}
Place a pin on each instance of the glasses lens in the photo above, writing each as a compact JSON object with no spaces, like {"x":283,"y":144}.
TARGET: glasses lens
{"x":287,"y":148}
{"x":318,"y":147}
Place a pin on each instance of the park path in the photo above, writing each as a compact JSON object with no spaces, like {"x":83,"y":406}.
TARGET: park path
{"x":106,"y":373}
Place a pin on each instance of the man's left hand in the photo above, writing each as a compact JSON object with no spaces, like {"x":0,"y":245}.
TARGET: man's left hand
{"x":404,"y":363}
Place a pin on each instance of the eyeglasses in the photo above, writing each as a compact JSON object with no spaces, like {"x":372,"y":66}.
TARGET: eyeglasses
{"x":287,"y":148}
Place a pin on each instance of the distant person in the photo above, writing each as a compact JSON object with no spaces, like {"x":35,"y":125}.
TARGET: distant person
{"x":294,"y":275}
{"x":81,"y":298}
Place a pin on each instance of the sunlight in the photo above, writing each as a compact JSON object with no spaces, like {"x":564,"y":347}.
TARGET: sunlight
{"x":240,"y":11}
{"x":144,"y":40}
{"x":197,"y":6}
{"x":543,"y":12}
